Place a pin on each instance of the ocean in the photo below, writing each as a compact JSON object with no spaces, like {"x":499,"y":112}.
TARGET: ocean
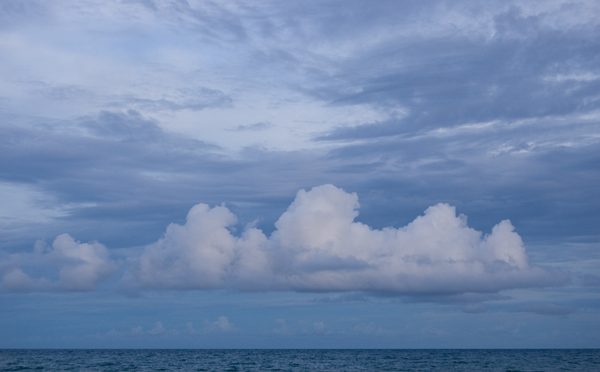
{"x":300,"y":360}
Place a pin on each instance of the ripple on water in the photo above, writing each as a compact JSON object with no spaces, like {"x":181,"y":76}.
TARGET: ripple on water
{"x":300,"y":360}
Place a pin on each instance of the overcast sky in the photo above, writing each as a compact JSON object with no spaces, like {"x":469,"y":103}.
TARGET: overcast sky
{"x":299,"y":174}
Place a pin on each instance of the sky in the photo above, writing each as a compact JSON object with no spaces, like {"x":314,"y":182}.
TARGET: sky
{"x":315,"y":174}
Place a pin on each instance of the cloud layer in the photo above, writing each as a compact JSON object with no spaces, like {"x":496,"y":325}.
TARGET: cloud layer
{"x":319,"y":246}
{"x":181,"y":99}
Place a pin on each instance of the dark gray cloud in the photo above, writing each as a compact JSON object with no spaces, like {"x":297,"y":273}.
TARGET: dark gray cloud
{"x":119,"y":169}
{"x":525,"y":70}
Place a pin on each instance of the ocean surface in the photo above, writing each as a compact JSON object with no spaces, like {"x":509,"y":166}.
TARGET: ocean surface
{"x":300,"y":360}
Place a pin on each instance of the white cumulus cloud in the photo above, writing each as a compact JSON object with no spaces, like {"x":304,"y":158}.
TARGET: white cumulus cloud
{"x":65,"y":265}
{"x":319,"y":246}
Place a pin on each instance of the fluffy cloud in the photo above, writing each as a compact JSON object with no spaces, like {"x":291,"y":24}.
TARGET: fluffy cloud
{"x":65,"y":265}
{"x":203,"y":253}
{"x":319,"y":246}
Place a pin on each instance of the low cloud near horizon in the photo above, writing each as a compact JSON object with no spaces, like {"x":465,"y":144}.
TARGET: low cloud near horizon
{"x":317,"y":245}
{"x":67,"y":264}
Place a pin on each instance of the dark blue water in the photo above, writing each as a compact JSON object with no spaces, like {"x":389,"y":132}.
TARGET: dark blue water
{"x":300,"y":360}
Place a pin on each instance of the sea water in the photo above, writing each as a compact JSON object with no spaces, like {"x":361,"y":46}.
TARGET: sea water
{"x":300,"y":360}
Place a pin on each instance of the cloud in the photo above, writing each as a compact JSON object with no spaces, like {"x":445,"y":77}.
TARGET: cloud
{"x":318,"y":245}
{"x":396,"y":105}
{"x":549,"y":309}
{"x":399,"y":113}
{"x":203,"y":253}
{"x":65,"y":265}
{"x":184,"y":99}
{"x":221,"y":324}
{"x":261,"y":125}
{"x":158,"y":329}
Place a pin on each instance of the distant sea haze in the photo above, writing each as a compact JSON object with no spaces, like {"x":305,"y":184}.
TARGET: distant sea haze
{"x":302,"y":360}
